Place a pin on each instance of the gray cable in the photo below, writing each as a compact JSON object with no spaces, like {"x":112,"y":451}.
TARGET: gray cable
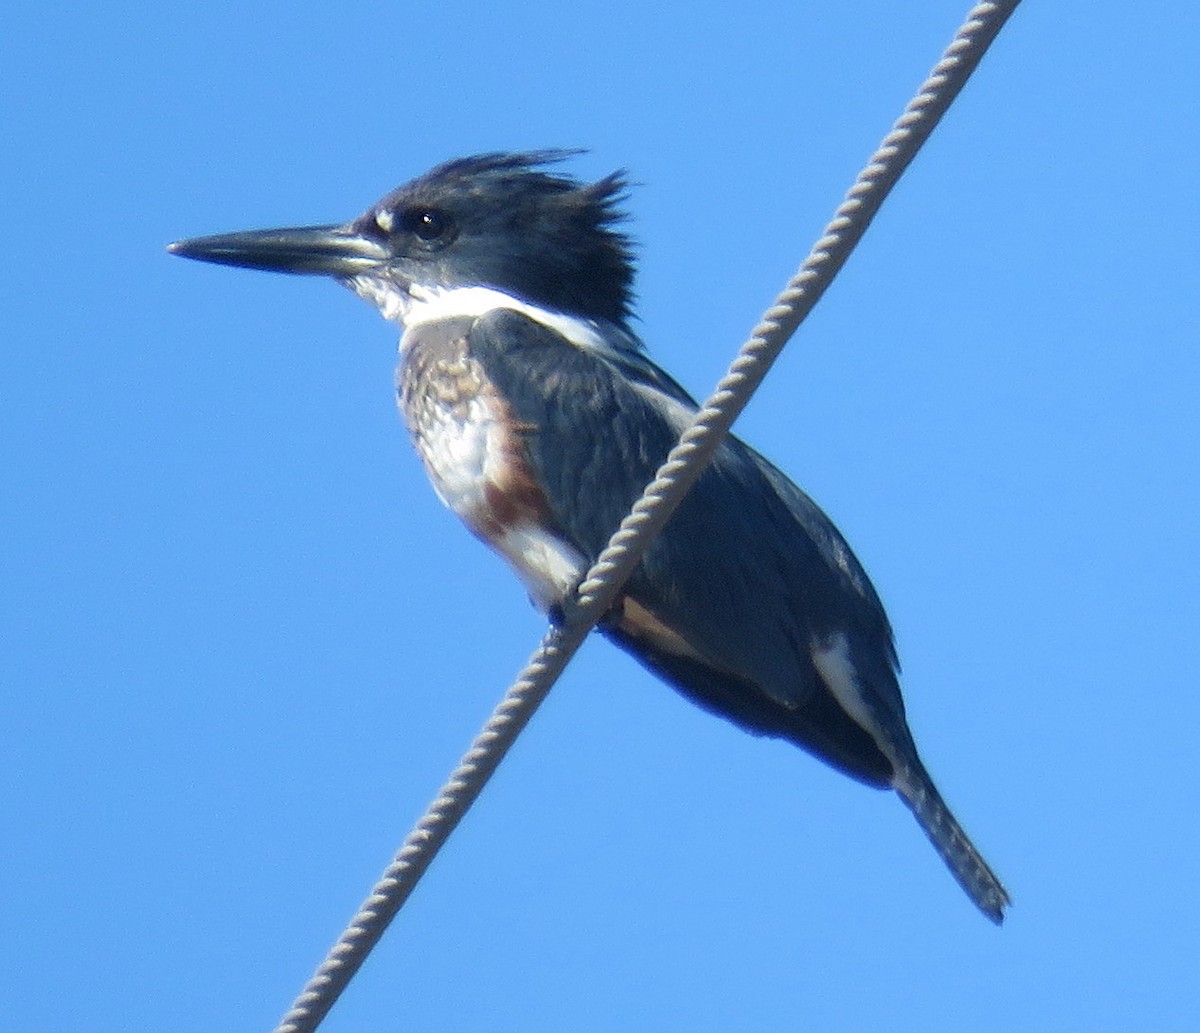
{"x":603,"y":582}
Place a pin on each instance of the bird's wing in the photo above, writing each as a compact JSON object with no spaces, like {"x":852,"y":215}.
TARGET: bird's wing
{"x":749,"y":573}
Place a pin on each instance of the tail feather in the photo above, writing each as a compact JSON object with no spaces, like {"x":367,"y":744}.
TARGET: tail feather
{"x":966,"y":864}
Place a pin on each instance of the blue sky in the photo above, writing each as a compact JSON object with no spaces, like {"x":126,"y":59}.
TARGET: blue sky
{"x":243,"y":645}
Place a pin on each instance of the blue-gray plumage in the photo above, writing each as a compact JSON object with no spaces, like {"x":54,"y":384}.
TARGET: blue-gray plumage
{"x":540,"y":419}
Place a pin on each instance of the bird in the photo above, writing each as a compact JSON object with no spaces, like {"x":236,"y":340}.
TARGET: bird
{"x":540,"y":418}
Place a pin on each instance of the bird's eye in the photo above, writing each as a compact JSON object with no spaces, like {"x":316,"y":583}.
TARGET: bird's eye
{"x":428,"y":224}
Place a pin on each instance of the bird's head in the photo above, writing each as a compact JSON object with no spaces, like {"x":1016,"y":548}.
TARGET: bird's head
{"x":501,"y":221}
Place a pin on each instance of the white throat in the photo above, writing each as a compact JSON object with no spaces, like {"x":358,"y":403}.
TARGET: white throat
{"x":418,"y":304}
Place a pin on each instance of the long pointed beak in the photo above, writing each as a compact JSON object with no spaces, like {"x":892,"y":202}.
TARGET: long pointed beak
{"x":312,"y":250}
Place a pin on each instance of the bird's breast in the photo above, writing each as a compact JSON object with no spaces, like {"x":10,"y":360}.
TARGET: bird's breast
{"x":475,"y":453}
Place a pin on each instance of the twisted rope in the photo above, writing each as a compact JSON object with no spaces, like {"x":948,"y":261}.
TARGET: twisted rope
{"x":599,"y":589}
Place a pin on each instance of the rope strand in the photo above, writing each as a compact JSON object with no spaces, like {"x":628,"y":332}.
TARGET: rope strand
{"x":600,"y":587}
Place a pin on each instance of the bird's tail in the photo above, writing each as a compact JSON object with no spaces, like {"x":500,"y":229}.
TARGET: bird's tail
{"x":966,"y":864}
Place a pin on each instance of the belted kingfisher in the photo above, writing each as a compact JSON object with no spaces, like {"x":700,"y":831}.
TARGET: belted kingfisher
{"x":540,"y":419}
